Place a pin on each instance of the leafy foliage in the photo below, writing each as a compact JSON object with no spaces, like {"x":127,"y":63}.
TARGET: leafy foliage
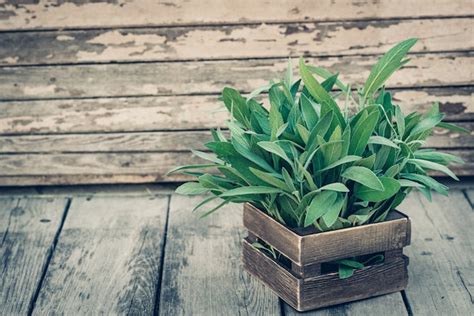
{"x":307,"y":163}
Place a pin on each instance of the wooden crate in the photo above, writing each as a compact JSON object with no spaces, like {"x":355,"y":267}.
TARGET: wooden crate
{"x":301,"y":280}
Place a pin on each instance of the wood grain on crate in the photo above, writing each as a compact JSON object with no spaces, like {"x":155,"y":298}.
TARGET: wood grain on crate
{"x":202,"y":268}
{"x":332,"y":245}
{"x":210,"y":77}
{"x":328,"y":289}
{"x":28,"y":227}
{"x":108,"y":255}
{"x":227,"y":42}
{"x":78,"y":14}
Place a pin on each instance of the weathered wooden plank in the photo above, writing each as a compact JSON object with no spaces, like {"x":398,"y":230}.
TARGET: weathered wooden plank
{"x":108,"y":257}
{"x":140,"y":79}
{"x":28,"y":227}
{"x":83,"y":14}
{"x":202,"y":271}
{"x":441,"y":255}
{"x":89,"y":168}
{"x":166,"y":141}
{"x":179,"y":112}
{"x":228,"y":42}
{"x":391,"y":304}
{"x":332,"y":245}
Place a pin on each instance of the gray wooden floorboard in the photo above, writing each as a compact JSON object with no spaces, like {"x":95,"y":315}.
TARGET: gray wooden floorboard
{"x":441,"y":270}
{"x":391,"y":304}
{"x":27,"y":231}
{"x":107,"y":260}
{"x":202,"y":272}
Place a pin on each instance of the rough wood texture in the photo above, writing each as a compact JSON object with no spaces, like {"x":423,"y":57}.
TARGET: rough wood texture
{"x":202,"y":268}
{"x":108,"y":257}
{"x":441,"y":255}
{"x":83,"y":14}
{"x":35,"y":169}
{"x":204,"y":77}
{"x":27,"y":231}
{"x":332,"y":245}
{"x":225,"y":42}
{"x":328,"y":289}
{"x":179,"y":112}
{"x":165,"y":141}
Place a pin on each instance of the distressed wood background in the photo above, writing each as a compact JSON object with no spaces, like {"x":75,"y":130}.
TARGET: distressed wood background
{"x":119,"y":91}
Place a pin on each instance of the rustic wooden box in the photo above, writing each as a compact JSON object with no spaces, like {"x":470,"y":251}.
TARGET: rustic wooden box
{"x":303,"y":283}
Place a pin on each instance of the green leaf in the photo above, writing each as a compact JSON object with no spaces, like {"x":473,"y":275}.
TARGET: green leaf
{"x":344,"y":160}
{"x":379,"y":140}
{"x":351,"y":263}
{"x":271,"y":179}
{"x":237,"y":105}
{"x":453,"y":127}
{"x":250,"y":190}
{"x":333,"y":211}
{"x":191,"y":188}
{"x":207,"y":156}
{"x":404,"y":183}
{"x":345,"y":271}
{"x":386,"y":66}
{"x":319,"y":205}
{"x":400,"y":119}
{"x":337,"y":186}
{"x":319,"y":93}
{"x":363,"y":176}
{"x":204,"y":166}
{"x":362,"y":132}
{"x":426,"y":124}
{"x":433,"y":166}
{"x":323,"y":73}
{"x":309,"y":113}
{"x":427,"y":181}
{"x":391,"y":187}
{"x":275,"y":149}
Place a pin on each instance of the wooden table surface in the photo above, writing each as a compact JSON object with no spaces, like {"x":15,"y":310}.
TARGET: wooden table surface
{"x":140,"y":250}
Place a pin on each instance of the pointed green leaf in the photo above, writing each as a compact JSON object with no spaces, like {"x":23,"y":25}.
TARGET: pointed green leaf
{"x":363,"y":176}
{"x":250,"y":190}
{"x":391,"y":187}
{"x":319,"y":206}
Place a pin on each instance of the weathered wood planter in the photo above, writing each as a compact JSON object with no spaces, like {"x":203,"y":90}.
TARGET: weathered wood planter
{"x":303,"y":279}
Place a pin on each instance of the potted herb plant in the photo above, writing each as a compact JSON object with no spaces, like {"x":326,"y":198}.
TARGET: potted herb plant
{"x":321,"y":171}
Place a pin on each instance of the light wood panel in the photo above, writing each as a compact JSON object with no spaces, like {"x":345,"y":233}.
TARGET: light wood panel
{"x":166,"y":141}
{"x":30,"y":169}
{"x":231,"y":42}
{"x":203,"y":272}
{"x":441,"y":255}
{"x":427,"y":70}
{"x":28,"y":227}
{"x":83,"y":14}
{"x":108,"y":257}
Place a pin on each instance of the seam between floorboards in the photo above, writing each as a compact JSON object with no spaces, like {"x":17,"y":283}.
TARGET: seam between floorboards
{"x":406,"y":302}
{"x":467,"y":198}
{"x":156,"y":309}
{"x":49,"y":257}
